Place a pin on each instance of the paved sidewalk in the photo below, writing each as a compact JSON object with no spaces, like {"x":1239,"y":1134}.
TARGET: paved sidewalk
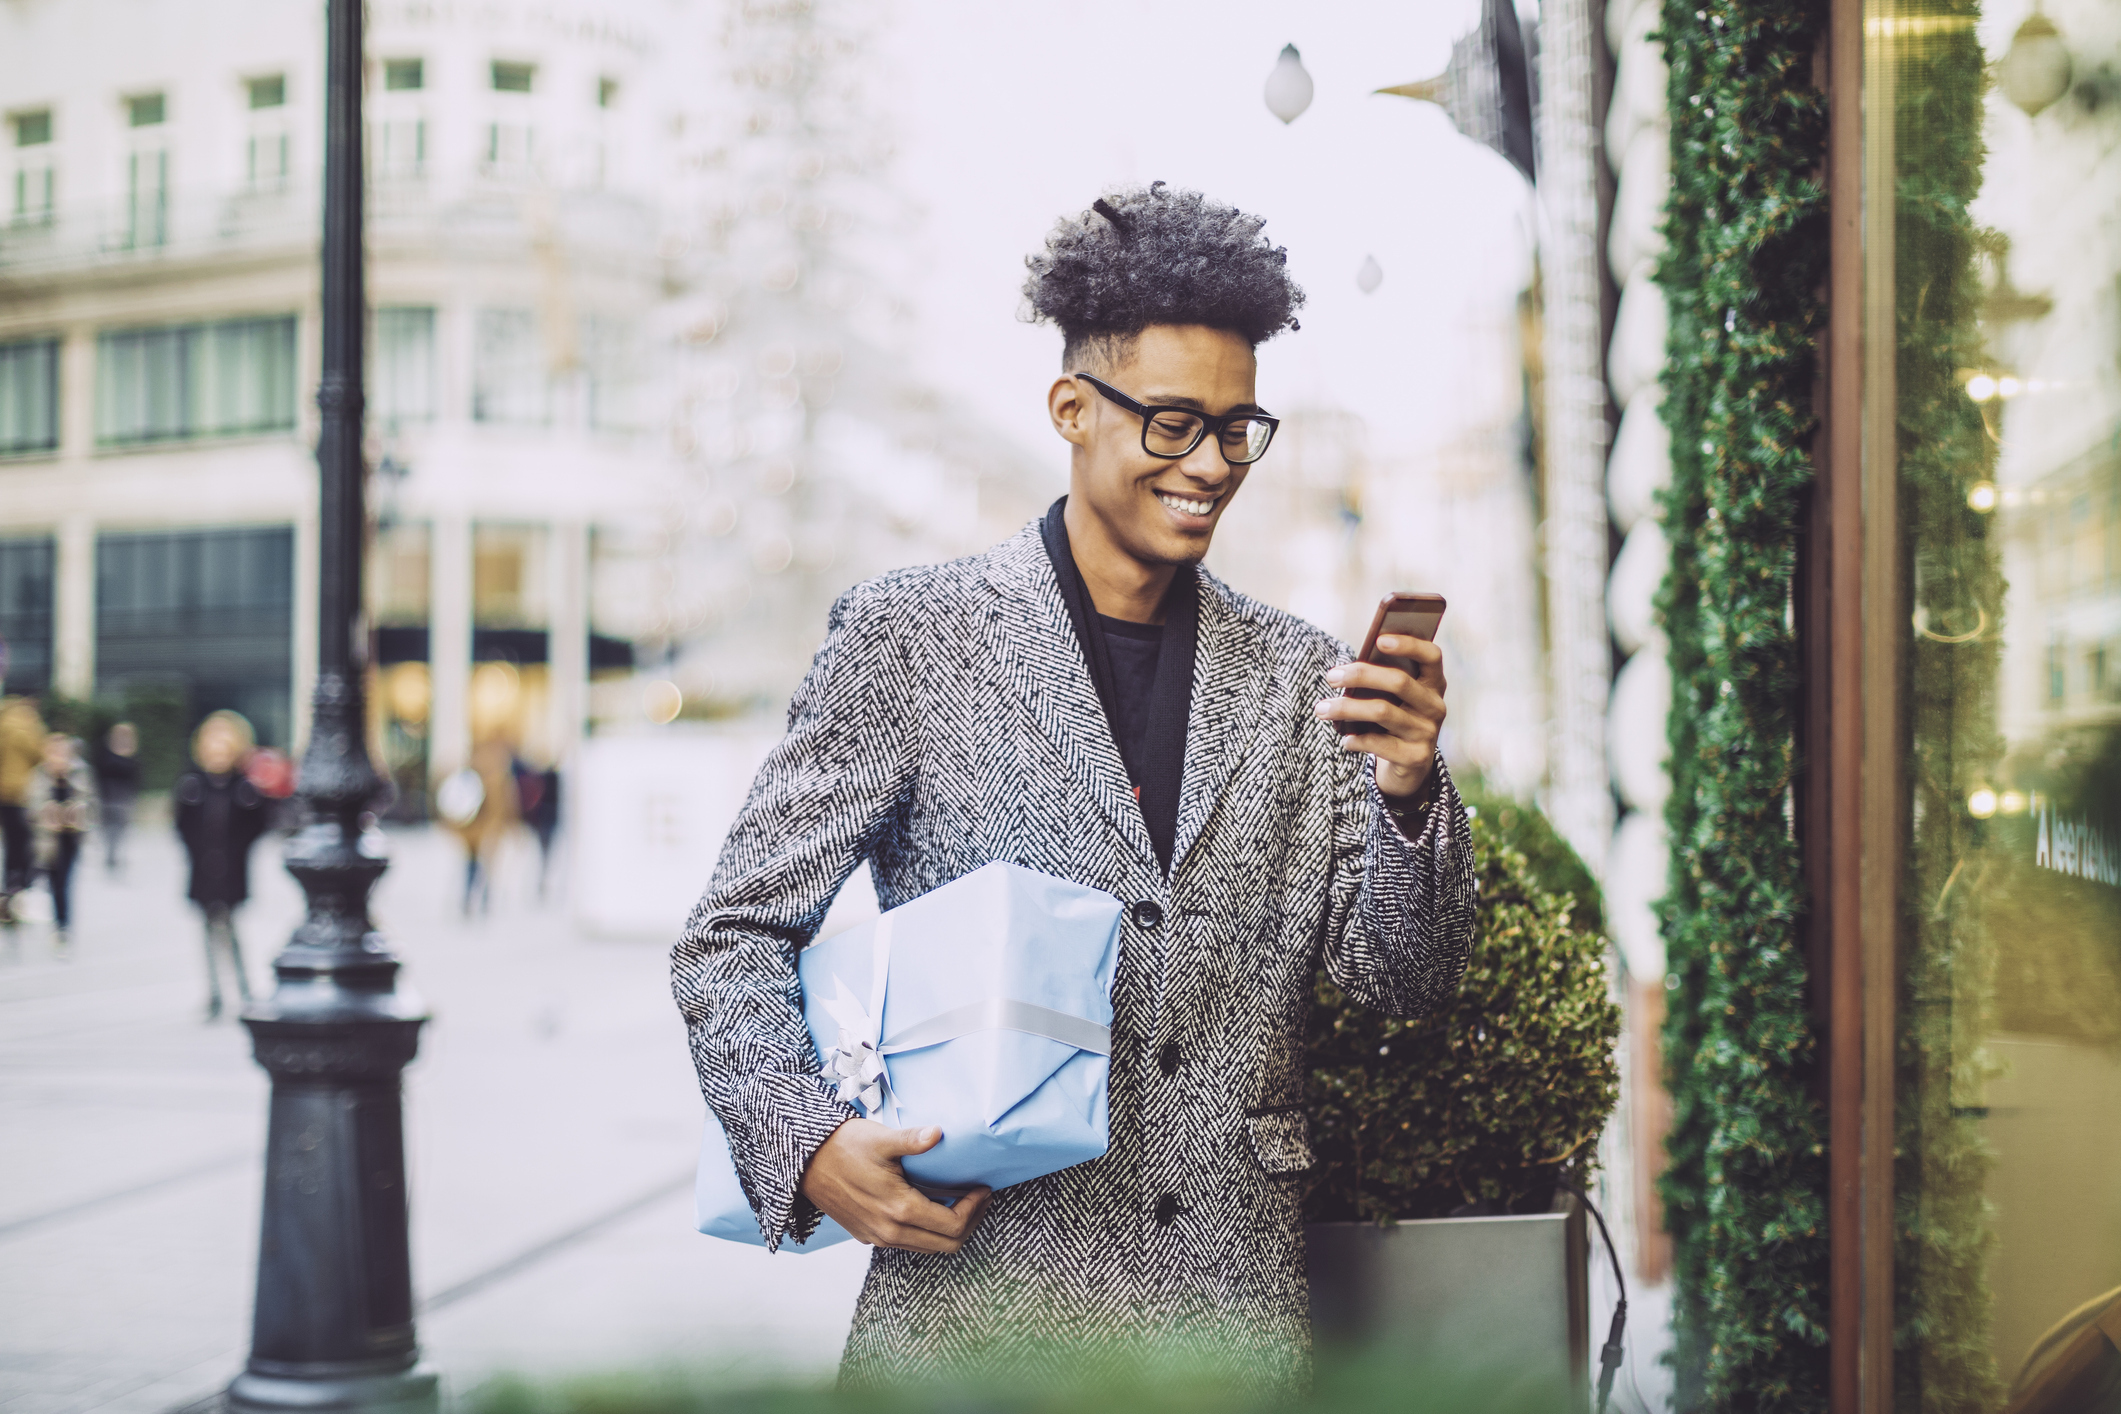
{"x":552,"y":1121}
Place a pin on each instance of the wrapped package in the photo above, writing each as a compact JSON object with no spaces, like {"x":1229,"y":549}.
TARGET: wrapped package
{"x":983,"y":1008}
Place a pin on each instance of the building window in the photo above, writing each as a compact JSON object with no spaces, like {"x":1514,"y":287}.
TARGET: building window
{"x":146,"y":174}
{"x":399,"y":148}
{"x":508,"y":369}
{"x":29,"y":397}
{"x":610,"y":369}
{"x":226,"y":379}
{"x":510,"y":148}
{"x":402,"y":383}
{"x":33,"y":167}
{"x":211,"y":612}
{"x":26,"y":569}
{"x":397,"y":145}
{"x":266,"y":161}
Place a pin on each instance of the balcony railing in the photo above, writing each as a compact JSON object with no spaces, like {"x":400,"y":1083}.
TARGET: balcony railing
{"x":177,"y":226}
{"x":401,"y":205}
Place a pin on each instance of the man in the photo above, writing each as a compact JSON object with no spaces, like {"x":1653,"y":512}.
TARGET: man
{"x":1085,"y":700}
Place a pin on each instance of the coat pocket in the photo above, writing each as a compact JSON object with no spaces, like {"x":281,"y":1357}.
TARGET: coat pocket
{"x":1281,"y":1139}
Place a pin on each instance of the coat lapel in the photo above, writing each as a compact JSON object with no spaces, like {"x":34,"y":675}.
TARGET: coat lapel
{"x":1229,"y":682}
{"x":1042,"y":660}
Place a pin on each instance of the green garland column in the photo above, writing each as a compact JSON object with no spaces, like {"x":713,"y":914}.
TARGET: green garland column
{"x":1743,"y":274}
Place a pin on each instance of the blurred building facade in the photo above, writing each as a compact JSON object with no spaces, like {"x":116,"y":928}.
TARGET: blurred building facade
{"x":158,"y":345}
{"x":630,"y":402}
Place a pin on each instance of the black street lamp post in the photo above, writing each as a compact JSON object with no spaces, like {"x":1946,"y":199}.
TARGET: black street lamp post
{"x":334,"y":1328}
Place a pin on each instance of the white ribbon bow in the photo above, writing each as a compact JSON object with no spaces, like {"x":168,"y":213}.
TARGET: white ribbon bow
{"x":854,"y":1063}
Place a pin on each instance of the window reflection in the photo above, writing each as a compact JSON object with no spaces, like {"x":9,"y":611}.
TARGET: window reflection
{"x":2007,"y":285}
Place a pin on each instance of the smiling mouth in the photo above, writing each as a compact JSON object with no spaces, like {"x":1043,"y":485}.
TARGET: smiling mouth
{"x":1185,"y":506}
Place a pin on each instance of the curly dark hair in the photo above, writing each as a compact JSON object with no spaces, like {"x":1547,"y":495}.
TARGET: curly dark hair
{"x":1158,"y":255}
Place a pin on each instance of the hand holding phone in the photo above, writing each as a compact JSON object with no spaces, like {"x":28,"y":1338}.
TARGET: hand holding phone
{"x":1401,"y":731}
{"x":1408,"y":615}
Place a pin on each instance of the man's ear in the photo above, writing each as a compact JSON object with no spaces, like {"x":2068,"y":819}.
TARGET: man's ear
{"x":1070,"y":413}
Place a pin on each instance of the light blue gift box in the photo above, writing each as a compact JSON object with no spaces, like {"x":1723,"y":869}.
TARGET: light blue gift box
{"x":994,"y":1013}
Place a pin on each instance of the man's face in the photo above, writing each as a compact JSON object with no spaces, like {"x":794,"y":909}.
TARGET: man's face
{"x":1161,"y":512}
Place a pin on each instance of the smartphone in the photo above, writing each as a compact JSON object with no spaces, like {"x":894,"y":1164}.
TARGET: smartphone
{"x":1405,"y":613}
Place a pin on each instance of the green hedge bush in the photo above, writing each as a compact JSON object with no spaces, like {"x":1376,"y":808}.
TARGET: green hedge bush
{"x":1489,"y":1100}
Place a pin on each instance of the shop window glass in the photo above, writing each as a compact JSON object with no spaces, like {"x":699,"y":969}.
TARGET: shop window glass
{"x":2003,"y":262}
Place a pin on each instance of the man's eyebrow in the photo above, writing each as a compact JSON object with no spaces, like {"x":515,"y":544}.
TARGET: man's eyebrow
{"x":1180,"y":400}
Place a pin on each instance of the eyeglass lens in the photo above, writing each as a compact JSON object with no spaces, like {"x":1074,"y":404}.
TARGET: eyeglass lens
{"x":1172,"y":433}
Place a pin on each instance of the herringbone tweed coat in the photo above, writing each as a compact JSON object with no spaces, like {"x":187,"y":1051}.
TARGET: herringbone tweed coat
{"x":949,"y":720}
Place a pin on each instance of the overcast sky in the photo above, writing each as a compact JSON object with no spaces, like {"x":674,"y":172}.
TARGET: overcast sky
{"x":1009,"y":115}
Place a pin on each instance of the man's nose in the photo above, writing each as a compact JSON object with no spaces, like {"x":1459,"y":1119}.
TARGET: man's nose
{"x":1205,"y":462}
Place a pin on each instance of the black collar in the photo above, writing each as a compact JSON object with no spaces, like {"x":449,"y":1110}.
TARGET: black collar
{"x":1157,"y":770}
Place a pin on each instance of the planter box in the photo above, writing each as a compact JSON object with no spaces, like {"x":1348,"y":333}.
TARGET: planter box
{"x":1492,"y":1299}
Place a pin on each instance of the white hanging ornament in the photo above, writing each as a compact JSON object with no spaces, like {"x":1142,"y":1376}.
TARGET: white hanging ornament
{"x":1288,"y":86}
{"x":2036,"y":69}
{"x":1370,"y":276}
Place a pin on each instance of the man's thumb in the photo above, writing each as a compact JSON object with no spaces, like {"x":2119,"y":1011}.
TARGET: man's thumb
{"x":913,"y":1141}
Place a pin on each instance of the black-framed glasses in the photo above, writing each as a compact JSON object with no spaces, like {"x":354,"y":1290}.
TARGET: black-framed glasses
{"x":1172,"y":432}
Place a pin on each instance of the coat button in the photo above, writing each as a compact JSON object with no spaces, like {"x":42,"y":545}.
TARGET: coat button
{"x":1149,"y":913}
{"x":1167,"y":1210}
{"x":1167,"y":1058}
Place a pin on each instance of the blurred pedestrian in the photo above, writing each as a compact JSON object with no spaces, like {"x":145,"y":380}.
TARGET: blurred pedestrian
{"x":21,"y":748}
{"x":220,"y":815}
{"x":61,"y":804}
{"x":479,"y":805}
{"x":539,"y":794}
{"x":117,"y":787}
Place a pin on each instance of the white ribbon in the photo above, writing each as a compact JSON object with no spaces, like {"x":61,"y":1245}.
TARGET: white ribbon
{"x":856,"y":1064}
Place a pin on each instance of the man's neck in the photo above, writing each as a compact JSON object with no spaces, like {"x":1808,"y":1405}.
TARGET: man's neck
{"x":1121,"y":587}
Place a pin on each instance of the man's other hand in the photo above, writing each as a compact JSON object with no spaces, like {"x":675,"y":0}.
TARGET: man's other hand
{"x":855,"y":1179}
{"x":1408,"y":720}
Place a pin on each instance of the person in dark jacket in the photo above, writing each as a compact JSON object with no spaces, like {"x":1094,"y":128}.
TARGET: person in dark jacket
{"x":220,"y":815}
{"x":538,"y":793}
{"x":117,"y":786}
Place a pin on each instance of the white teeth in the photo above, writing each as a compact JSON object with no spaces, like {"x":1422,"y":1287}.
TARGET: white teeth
{"x":1191,"y":508}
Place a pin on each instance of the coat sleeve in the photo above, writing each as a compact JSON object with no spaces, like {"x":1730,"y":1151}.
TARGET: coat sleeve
{"x":1400,"y":919}
{"x":818,"y":806}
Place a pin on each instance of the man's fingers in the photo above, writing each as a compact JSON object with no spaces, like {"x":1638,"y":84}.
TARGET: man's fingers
{"x":1402,"y":645}
{"x":1376,"y":677}
{"x":969,"y":1210}
{"x":915,"y":1239}
{"x":1420,"y":717}
{"x":917,"y":1209}
{"x":925,"y":1226}
{"x":897,"y":1143}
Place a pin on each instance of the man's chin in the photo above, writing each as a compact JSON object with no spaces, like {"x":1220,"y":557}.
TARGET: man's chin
{"x":1174,"y":549}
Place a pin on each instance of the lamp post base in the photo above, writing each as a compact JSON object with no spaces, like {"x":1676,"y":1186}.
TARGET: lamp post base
{"x":410,"y":1391}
